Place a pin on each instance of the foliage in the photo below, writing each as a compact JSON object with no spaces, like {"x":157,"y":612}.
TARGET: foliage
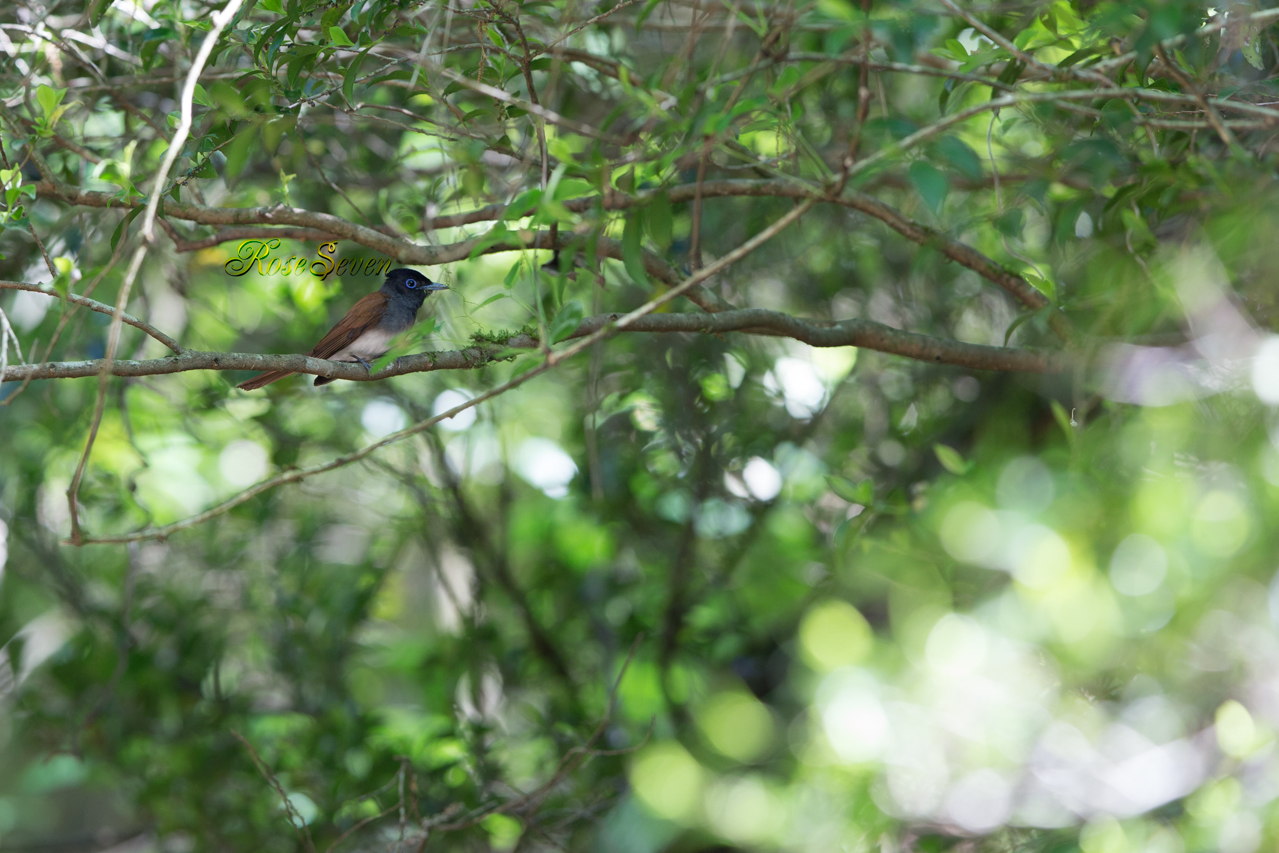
{"x":1004,"y":582}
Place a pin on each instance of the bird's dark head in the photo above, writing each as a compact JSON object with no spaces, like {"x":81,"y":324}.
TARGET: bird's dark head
{"x":410,"y":282}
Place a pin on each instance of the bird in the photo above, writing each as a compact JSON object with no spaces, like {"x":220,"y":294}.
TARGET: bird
{"x":368,"y":327}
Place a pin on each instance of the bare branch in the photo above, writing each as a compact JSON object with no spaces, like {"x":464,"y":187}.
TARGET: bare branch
{"x":228,"y":235}
{"x":94,"y":305}
{"x":295,"y":819}
{"x":326,"y":226}
{"x":866,"y":334}
{"x":1214,"y":117}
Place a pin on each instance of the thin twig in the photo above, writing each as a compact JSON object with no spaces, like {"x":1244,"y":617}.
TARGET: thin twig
{"x":101,"y":308}
{"x":1214,"y":117}
{"x":219,"y":21}
{"x":295,"y":819}
{"x":619,"y":7}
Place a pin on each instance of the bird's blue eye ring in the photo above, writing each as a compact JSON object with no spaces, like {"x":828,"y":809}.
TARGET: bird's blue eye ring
{"x":411,"y":283}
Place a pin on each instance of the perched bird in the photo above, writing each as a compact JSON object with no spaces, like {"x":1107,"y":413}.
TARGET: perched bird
{"x":368,"y":327}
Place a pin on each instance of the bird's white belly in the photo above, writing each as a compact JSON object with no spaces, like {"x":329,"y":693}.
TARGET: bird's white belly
{"x":367,"y":346}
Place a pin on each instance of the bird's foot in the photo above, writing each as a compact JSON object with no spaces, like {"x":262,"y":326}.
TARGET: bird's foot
{"x":368,"y":367}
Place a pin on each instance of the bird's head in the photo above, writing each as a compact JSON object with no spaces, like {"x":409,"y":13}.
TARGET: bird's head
{"x":410,"y":282}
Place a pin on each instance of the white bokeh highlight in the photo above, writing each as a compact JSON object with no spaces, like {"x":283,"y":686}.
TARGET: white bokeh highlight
{"x":1265,"y":371}
{"x":1138,"y":566}
{"x":545,"y":465}
{"x":450,"y":399}
{"x":242,"y":463}
{"x":382,"y":417}
{"x":763,"y":481}
{"x":800,"y":387}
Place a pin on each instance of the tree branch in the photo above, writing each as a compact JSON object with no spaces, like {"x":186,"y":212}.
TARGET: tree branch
{"x":101,"y":308}
{"x":326,"y":226}
{"x":866,"y":334}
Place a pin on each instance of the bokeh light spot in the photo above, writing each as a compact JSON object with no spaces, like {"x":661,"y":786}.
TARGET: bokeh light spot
{"x":382,"y":417}
{"x":1025,"y":485}
{"x":800,"y":387}
{"x":854,"y":718}
{"x":743,"y":810}
{"x":668,"y":781}
{"x":1265,"y":371}
{"x":1236,"y":732}
{"x":762,"y":480}
{"x":737,"y":725}
{"x":1040,"y":557}
{"x":1221,"y":524}
{"x":450,"y":399}
{"x":956,"y":645}
{"x":241,"y":463}
{"x":980,"y":801}
{"x":970,"y":532}
{"x":834,"y":634}
{"x":544,"y":464}
{"x":1138,"y":565}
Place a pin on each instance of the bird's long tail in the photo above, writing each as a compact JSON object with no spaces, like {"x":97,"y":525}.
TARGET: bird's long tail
{"x":263,"y":379}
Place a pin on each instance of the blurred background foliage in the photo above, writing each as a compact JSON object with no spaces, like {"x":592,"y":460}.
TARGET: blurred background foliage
{"x":683,"y":592}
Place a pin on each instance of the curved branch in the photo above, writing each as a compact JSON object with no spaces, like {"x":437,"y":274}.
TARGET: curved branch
{"x":101,"y":308}
{"x":246,"y":232}
{"x":754,"y":321}
{"x":404,"y":252}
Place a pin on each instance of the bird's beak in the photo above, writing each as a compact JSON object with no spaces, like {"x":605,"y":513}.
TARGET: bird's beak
{"x":435,"y":285}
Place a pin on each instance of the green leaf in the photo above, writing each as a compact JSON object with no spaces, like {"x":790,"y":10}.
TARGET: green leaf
{"x":49,"y":99}
{"x":1011,"y":72}
{"x":633,"y":250}
{"x":1021,"y":319}
{"x":124,"y":224}
{"x":51,"y":105}
{"x":497,"y":234}
{"x":788,"y":78}
{"x":353,"y":70}
{"x":237,"y":153}
{"x":202,"y":98}
{"x":648,"y":10}
{"x":659,"y":218}
{"x":931,"y":184}
{"x":572,"y":188}
{"x":951,"y":460}
{"x":1251,"y":51}
{"x":566,"y":321}
{"x":495,"y":297}
{"x":955,"y":50}
{"x":1079,"y":55}
{"x":1011,"y":223}
{"x":96,"y":10}
{"x":855,"y":493}
{"x":512,"y":274}
{"x":1043,"y":285}
{"x":338,"y":37}
{"x":522,"y":205}
{"x":525,"y":365}
{"x":959,"y":156}
{"x":229,"y":99}
{"x":272,"y":6}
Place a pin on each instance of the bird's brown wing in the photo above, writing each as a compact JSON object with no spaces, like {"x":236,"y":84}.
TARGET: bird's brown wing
{"x":364,"y":315}
{"x":255,"y":382}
